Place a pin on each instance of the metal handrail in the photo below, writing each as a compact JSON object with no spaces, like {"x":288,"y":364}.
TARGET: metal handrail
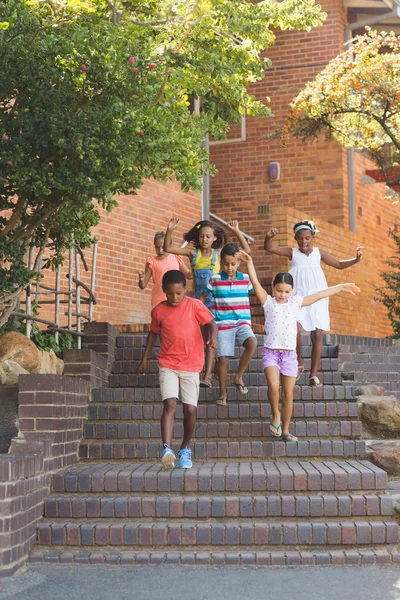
{"x":216,"y":218}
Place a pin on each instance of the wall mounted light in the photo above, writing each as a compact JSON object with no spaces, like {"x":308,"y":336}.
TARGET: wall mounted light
{"x":274,"y":171}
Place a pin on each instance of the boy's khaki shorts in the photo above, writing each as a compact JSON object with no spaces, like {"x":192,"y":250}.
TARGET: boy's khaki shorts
{"x":186,"y":381}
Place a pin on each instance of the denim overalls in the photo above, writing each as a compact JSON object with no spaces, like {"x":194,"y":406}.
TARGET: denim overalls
{"x":202,"y":276}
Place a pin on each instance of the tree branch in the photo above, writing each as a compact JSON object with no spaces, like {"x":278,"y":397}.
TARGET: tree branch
{"x":15,"y":217}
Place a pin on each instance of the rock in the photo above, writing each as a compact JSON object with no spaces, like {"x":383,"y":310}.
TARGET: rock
{"x":10,"y":371}
{"x":49,"y":363}
{"x":16,"y":349}
{"x":387,"y":457}
{"x":368,"y":390}
{"x":381,"y":414}
{"x":15,"y":346}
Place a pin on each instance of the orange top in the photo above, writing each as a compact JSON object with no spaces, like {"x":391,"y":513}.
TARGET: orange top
{"x":159,"y":266}
{"x":181,"y":346}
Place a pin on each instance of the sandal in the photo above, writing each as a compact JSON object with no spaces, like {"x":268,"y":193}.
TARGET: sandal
{"x":276,"y":430}
{"x":241,"y":387}
{"x":288,"y":437}
{"x":315,"y":382}
{"x":221,"y":401}
{"x":206,"y":381}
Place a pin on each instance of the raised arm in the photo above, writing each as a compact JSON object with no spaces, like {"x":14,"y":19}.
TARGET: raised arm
{"x":279,"y":250}
{"x":168,"y":247}
{"x":186,"y":271}
{"x":350,"y":288}
{"x":144,"y":278}
{"x":259,"y":290}
{"x":341,"y":264}
{"x":234,"y":227}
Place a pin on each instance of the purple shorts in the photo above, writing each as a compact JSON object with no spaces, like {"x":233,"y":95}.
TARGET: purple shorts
{"x":285,"y":360}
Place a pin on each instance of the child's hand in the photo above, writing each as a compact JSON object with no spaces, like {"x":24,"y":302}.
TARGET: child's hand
{"x":351,"y":288}
{"x":212,"y":343}
{"x":272,"y":233}
{"x":141,"y":276}
{"x":173,"y":223}
{"x":233,"y":225}
{"x":142,"y":367}
{"x":242,"y":255}
{"x":359,"y":253}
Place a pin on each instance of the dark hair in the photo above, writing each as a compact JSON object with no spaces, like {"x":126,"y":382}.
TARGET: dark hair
{"x":171,"y":277}
{"x":193,"y":234}
{"x":283,"y":277}
{"x":229,"y":250}
{"x":158,"y":235}
{"x":308,"y":224}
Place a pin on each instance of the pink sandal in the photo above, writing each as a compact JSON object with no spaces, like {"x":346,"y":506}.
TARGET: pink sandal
{"x":315,"y":382}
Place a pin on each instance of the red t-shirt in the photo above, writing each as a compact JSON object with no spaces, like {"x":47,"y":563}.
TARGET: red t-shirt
{"x":181,"y":346}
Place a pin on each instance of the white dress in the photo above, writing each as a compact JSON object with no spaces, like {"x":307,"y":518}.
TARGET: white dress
{"x":309,"y":278}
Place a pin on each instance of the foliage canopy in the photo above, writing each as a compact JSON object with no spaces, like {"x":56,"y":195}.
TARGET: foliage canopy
{"x":95,"y":98}
{"x":356,"y":100}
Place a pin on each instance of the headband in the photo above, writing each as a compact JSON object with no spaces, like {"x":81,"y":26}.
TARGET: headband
{"x":309,"y":225}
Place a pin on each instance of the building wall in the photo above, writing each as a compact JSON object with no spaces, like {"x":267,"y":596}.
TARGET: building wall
{"x":313,"y":178}
{"x":125,"y":239}
{"x":359,"y":315}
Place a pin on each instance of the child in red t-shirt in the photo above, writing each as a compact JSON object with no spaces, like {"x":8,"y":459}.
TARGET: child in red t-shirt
{"x":180,"y":360}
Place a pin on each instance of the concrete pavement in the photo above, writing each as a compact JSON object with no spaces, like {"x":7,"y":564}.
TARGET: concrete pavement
{"x":70,"y":582}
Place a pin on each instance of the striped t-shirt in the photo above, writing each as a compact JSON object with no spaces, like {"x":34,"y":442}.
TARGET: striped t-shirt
{"x":230,"y":300}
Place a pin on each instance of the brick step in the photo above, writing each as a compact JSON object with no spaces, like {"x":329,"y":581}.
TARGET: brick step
{"x":234,"y":410}
{"x":229,"y":534}
{"x":136,"y":353}
{"x":236,"y":477}
{"x":138,"y":341}
{"x":255,"y":366}
{"x":129,"y":393}
{"x":151,"y":450}
{"x":221,"y":430}
{"x":301,"y":506}
{"x":319,"y":557}
{"x":255,"y":378}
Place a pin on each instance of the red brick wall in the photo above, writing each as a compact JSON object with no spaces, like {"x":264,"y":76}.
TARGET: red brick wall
{"x":313,"y":174}
{"x":361,"y":315}
{"x":125,"y":238}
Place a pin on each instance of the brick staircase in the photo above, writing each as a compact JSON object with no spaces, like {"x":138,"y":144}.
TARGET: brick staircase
{"x":249,"y":499}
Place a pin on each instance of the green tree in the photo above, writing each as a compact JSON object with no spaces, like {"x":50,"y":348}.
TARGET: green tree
{"x":389,"y":295}
{"x":95,"y":98}
{"x":356,"y":101}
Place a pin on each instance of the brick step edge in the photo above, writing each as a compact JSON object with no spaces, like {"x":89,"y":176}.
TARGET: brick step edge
{"x":227,"y":449}
{"x":128,"y":366}
{"x":101,"y":411}
{"x":220,"y":430}
{"x":204,"y":506}
{"x":257,"y":393}
{"x":228,"y":533}
{"x":305,"y":558}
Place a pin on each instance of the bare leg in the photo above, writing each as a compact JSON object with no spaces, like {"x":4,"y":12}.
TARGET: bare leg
{"x":189,"y":423}
{"x":250,"y":346}
{"x":167,"y":420}
{"x":316,"y":352}
{"x":223,"y":362}
{"x":272,"y":376}
{"x":298,"y":349}
{"x":288,"y":384}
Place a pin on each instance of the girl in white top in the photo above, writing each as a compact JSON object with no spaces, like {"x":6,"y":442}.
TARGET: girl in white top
{"x":280,"y":363}
{"x":308,"y":278}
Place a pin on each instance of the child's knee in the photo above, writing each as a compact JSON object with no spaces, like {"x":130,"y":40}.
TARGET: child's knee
{"x":223,"y":361}
{"x":251,"y":343}
{"x":169,"y":405}
{"x":189,"y":409}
